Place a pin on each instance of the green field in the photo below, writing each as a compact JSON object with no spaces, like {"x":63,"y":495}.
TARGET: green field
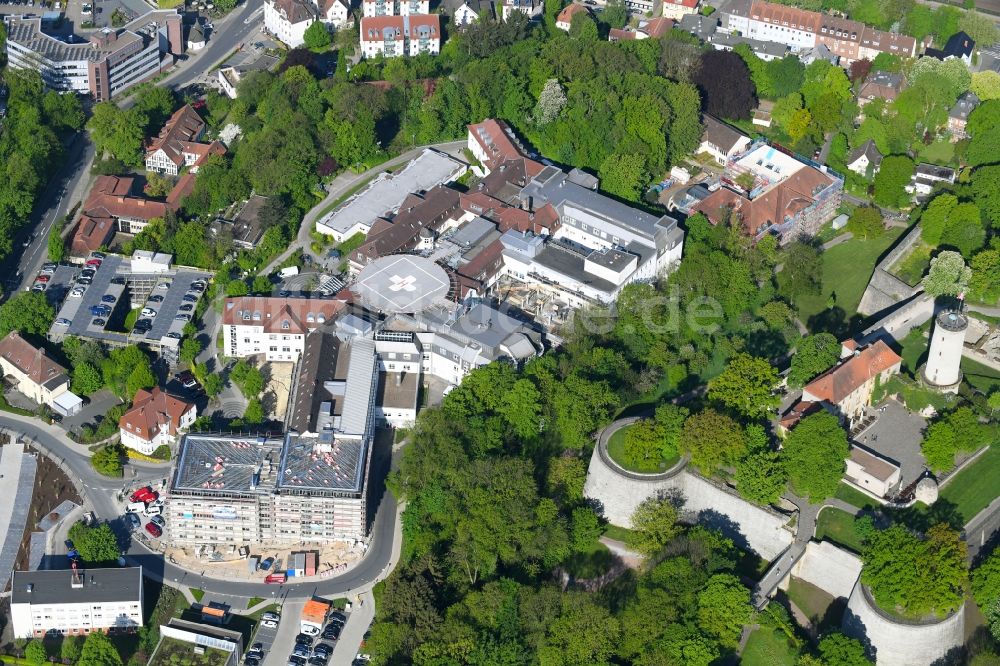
{"x":837,"y":526}
{"x":616,"y":449}
{"x":980,"y":376}
{"x":941,"y":151}
{"x":617,"y":533}
{"x":846,"y":270}
{"x":853,"y":496}
{"x":975,"y":486}
{"x":769,"y":647}
{"x":913,"y":265}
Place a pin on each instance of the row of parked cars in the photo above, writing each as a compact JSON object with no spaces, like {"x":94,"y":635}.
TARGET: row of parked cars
{"x":102,"y":310}
{"x":317,"y":655}
{"x":184,"y":312}
{"x":147,"y":501}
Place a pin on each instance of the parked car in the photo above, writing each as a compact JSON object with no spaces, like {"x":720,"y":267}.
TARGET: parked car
{"x":154,"y":530}
{"x":84,"y":280}
{"x":133,"y":520}
{"x":156,"y":298}
{"x":148,"y":312}
{"x":332,"y":631}
{"x":323,"y":649}
{"x":188,"y":381}
{"x":49,"y":266}
{"x":266,"y":564}
{"x":94,"y":262}
{"x":187,"y":307}
{"x":43,"y":278}
{"x":108,"y":298}
{"x":304,"y":639}
{"x":338,"y":617}
{"x":100,"y":322}
{"x":157,"y":520}
{"x":190,"y":298}
{"x":183,"y":317}
{"x":174,"y":335}
{"x":270,"y":624}
{"x":88,"y":273}
{"x":100,"y":310}
{"x":62,"y":321}
{"x":77,"y":292}
{"x":270,"y":616}
{"x":118,"y":280}
{"x":47,"y":271}
{"x":163,"y":285}
{"x":301,"y":651}
{"x":98,"y":255}
{"x":39,"y":286}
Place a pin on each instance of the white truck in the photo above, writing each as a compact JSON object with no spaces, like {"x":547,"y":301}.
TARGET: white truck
{"x":289,"y":272}
{"x":135,"y":507}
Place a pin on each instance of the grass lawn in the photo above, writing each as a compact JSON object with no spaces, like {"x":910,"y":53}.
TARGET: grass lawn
{"x":941,"y":151}
{"x":591,"y":564}
{"x":617,"y":533}
{"x":272,"y":608}
{"x":975,"y":486}
{"x":914,"y":346}
{"x":837,"y":526}
{"x":616,"y":449}
{"x":769,"y":647}
{"x":846,"y":270}
{"x":980,"y":376}
{"x":810,"y":599}
{"x":253,"y":601}
{"x":853,"y":496}
{"x":912,"y":266}
{"x":197,"y":593}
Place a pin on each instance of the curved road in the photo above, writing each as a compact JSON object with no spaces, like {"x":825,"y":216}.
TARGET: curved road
{"x":98,"y":492}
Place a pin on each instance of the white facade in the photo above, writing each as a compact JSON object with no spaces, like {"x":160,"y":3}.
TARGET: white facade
{"x":279,"y":25}
{"x":405,"y":35}
{"x":160,"y":438}
{"x":243,"y":341}
{"x":465,"y":15}
{"x":944,"y":358}
{"x":395,"y":7}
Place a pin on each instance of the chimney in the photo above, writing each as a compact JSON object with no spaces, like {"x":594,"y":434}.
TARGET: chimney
{"x":399,"y":378}
{"x":30,"y":588}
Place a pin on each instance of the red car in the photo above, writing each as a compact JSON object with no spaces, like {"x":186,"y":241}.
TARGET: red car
{"x":275,"y":578}
{"x":94,"y":262}
{"x":142,"y":495}
{"x":153,"y":529}
{"x":43,"y":278}
{"x":151,"y":497}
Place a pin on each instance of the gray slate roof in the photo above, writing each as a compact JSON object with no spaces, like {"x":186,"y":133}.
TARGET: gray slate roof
{"x":55,"y":587}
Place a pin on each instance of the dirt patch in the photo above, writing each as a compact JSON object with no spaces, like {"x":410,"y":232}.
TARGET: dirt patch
{"x":52,"y":488}
{"x":279,"y":381}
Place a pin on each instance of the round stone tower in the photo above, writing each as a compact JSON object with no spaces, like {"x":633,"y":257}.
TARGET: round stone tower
{"x":944,"y":358}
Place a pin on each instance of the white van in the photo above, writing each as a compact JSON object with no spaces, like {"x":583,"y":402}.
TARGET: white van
{"x":289,"y":272}
{"x":154,"y":510}
{"x":135,"y":507}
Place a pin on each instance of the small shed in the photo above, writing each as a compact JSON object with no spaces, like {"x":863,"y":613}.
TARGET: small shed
{"x":253,"y":563}
{"x":840,"y":221}
{"x":311,"y":561}
{"x":67,"y":403}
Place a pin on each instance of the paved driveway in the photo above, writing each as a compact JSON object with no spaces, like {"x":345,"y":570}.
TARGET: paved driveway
{"x":99,"y":405}
{"x":284,"y":639}
{"x":896,"y":434}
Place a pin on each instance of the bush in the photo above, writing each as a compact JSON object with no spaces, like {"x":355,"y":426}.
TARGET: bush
{"x":162,"y":452}
{"x":108,"y":460}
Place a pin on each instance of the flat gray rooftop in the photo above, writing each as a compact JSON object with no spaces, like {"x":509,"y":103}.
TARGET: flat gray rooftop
{"x":388,"y":191}
{"x":402,"y":283}
{"x":98,"y":585}
{"x":226,"y":464}
{"x":322,"y":463}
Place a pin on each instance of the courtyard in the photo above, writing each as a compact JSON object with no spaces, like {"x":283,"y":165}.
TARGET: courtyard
{"x":896,"y":434}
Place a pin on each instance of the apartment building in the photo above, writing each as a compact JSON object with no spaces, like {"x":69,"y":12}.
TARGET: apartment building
{"x":111,"y":61}
{"x":677,"y":9}
{"x":179,"y":145}
{"x":155,"y":420}
{"x":395,"y":7}
{"x":75,"y":602}
{"x":532,"y":8}
{"x":406,"y":35}
{"x":801,"y":29}
{"x":309,"y":487}
{"x":273,"y":326}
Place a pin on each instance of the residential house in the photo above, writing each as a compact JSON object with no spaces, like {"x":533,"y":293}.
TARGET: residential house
{"x":407,"y":35}
{"x":565,"y":18}
{"x":75,"y":602}
{"x":958,"y":117}
{"x":245,"y":226}
{"x":231,"y":75}
{"x":31,"y":370}
{"x":702,"y":27}
{"x":272,"y":326}
{"x":288,"y":20}
{"x":764,"y":50}
{"x":647,"y":29}
{"x":865,"y":157}
{"x":196,"y":38}
{"x":530,"y":8}
{"x":926,"y":177}
{"x":155,"y":420}
{"x":493,"y":143}
{"x":677,"y":9}
{"x":111,"y":207}
{"x":846,"y":389}
{"x":722,"y":141}
{"x":959,"y":45}
{"x":465,"y":12}
{"x":394,"y":7}
{"x":774,"y":192}
{"x":880,"y":85}
{"x":179,"y":144}
{"x":818,"y":52}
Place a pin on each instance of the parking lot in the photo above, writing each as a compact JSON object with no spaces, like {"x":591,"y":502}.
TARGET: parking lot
{"x":163,"y":296}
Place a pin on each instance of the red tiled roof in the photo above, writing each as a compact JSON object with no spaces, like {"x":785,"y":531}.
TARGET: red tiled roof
{"x":569,"y":11}
{"x":373,"y":27}
{"x":184,"y":127}
{"x":618,"y":35}
{"x":690,"y":4}
{"x":492,"y":136}
{"x":839,"y":382}
{"x":660,"y":26}
{"x":31,"y":361}
{"x":152,"y":411}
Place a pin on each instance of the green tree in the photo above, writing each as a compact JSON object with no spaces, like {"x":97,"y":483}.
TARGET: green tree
{"x":891,"y":180}
{"x":866,"y":222}
{"x":27,"y":312}
{"x":948,"y":275}
{"x":712,"y":440}
{"x":747,"y":385}
{"x":915,"y":576}
{"x":986,"y":580}
{"x":984,"y":284}
{"x":213,"y":385}
{"x":582,"y":27}
{"x":986,"y":84}
{"x":70,"y":648}
{"x":840,"y":650}
{"x":190,"y":349}
{"x":585,"y":529}
{"x":814,"y":355}
{"x":56,"y":246}
{"x":760,"y":477}
{"x":95,"y":544}
{"x":723,"y":608}
{"x":254,"y":412}
{"x":141,"y":377}
{"x":566,"y":478}
{"x":654,"y":524}
{"x":935,"y":217}
{"x":623,"y":176}
{"x":108,"y":460}
{"x":814,"y":455}
{"x":939,"y":447}
{"x":34,"y":652}
{"x":802,"y":273}
{"x":87,"y":379}
{"x":98,"y":650}
{"x":316,"y":36}
{"x":980,"y":27}
{"x":118,"y":133}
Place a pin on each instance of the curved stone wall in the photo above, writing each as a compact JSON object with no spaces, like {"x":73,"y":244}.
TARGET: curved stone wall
{"x":896,"y":643}
{"x":619,"y":493}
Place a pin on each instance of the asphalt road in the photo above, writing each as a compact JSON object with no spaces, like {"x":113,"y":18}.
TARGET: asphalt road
{"x":99,"y":493}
